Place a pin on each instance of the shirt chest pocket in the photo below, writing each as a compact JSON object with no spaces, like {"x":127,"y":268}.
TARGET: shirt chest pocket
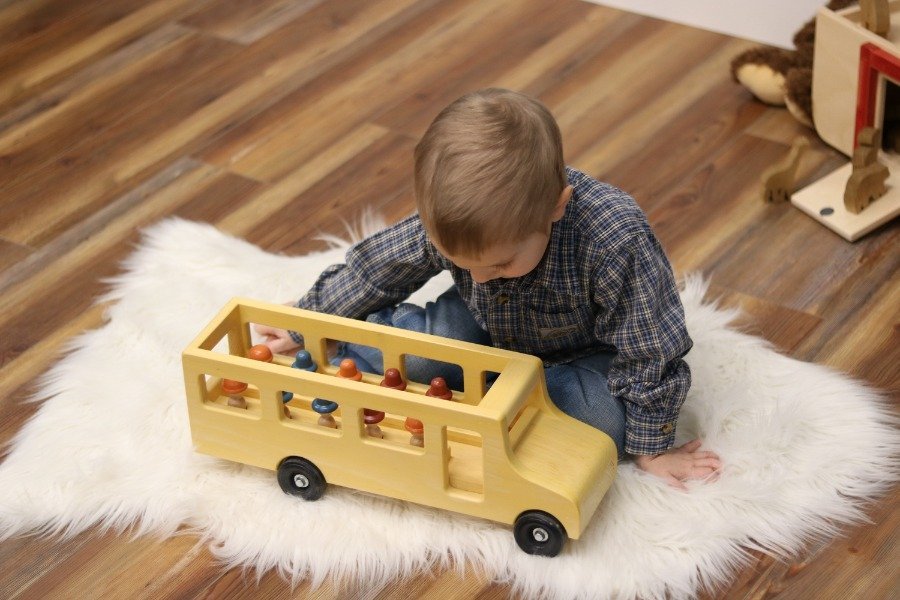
{"x":559,"y":325}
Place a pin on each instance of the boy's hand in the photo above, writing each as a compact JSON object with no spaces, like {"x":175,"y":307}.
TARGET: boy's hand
{"x":680,"y":464}
{"x":278,"y":340}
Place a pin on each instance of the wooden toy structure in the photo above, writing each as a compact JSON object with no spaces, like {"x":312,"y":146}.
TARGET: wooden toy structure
{"x":502,"y":451}
{"x":856,"y":87}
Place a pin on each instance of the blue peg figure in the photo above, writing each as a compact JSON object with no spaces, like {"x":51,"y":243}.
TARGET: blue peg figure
{"x":302,"y":360}
{"x":325,"y":408}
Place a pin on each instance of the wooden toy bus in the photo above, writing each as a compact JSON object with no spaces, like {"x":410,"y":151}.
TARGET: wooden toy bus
{"x":500,"y":451}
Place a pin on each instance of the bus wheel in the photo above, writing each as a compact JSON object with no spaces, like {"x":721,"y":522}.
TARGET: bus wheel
{"x":539,"y":533}
{"x":299,"y":477}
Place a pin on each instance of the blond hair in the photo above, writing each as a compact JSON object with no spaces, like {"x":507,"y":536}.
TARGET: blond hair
{"x":489,"y":170}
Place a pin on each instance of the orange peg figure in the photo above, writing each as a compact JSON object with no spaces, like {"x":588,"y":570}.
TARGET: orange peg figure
{"x":260,"y":352}
{"x":417,"y":432}
{"x":347,"y":370}
{"x":235,"y":392}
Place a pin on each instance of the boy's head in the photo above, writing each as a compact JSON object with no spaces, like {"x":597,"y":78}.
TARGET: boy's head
{"x":489,"y":173}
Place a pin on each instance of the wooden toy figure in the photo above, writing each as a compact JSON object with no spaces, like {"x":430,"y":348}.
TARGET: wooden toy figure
{"x":437,"y":389}
{"x":372,"y":418}
{"x":416,"y":431}
{"x":235,"y":392}
{"x":303,"y":361}
{"x":235,"y":389}
{"x":325,"y":408}
{"x":876,"y":16}
{"x":778,"y":180}
{"x":260,"y":352}
{"x":347,"y":370}
{"x":866,"y":182}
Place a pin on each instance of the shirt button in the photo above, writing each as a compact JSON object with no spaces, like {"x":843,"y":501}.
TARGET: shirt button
{"x":667,"y":428}
{"x":502,"y":299}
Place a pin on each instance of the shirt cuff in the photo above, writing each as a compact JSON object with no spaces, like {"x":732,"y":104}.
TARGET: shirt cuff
{"x":296,"y":337}
{"x":650,"y":434}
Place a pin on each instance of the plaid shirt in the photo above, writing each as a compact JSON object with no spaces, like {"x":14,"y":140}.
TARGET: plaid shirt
{"x":604,"y":283}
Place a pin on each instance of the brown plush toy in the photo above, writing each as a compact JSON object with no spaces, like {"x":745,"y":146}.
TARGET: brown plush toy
{"x":783,"y":77}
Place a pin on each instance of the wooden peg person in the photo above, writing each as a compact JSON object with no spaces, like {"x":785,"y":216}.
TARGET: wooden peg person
{"x":303,"y":361}
{"x":325,"y":408}
{"x":439,"y":389}
{"x":372,"y":418}
{"x":417,"y":432}
{"x":260,"y":352}
{"x":235,"y":392}
{"x":347,"y":370}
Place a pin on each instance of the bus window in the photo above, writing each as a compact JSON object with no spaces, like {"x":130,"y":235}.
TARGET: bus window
{"x":420,"y":369}
{"x":487,"y":380}
{"x":234,"y":396}
{"x":316,"y":414}
{"x":400,"y":432}
{"x":366,"y":358}
{"x":520,"y":424}
{"x":465,"y":464}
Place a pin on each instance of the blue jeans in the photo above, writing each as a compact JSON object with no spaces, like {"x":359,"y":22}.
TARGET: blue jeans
{"x":579,"y":388}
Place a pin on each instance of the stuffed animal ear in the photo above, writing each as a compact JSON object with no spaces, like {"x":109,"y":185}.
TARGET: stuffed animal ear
{"x":763,"y":71}
{"x":798,"y":94}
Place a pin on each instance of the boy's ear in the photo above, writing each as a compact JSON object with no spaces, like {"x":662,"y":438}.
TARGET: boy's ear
{"x":564,"y":198}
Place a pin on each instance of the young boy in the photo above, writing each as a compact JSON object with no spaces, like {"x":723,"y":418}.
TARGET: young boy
{"x":546,"y":261}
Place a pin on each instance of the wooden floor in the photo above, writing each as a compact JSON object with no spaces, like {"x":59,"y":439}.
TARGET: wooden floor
{"x":275,"y":119}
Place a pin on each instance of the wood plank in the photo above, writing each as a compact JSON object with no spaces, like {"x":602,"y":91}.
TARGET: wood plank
{"x":36,"y":329}
{"x":247,"y":22}
{"x":12,"y":254}
{"x":229,"y":146}
{"x":505,"y":61}
{"x":80,"y":88}
{"x":335,"y":36}
{"x":79,"y":141}
{"x":300,"y":130}
{"x":273,"y":199}
{"x":63,"y":44}
{"x":27,"y":559}
{"x":784,"y":328}
{"x":380,"y":172}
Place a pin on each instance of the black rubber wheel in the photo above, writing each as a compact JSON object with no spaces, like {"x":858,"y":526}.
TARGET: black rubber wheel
{"x":299,"y":477}
{"x":539,"y":533}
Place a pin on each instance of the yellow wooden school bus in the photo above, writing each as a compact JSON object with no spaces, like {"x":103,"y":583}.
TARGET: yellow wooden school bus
{"x":502,"y":451}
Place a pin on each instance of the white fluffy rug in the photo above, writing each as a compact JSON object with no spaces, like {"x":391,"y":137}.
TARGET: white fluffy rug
{"x":803,"y":447}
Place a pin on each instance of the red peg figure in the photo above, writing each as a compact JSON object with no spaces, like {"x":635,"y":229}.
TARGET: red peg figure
{"x":393,"y":380}
{"x":439,"y":389}
{"x":235,"y":392}
{"x":372,"y":417}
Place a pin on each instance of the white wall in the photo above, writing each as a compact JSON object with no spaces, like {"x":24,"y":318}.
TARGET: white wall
{"x":766,"y":21}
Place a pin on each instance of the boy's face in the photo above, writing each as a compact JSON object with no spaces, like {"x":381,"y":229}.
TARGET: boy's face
{"x":511,"y":259}
{"x":506,"y":260}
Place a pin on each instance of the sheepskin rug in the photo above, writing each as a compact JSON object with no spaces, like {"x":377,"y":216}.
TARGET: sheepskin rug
{"x":804,"y":448}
